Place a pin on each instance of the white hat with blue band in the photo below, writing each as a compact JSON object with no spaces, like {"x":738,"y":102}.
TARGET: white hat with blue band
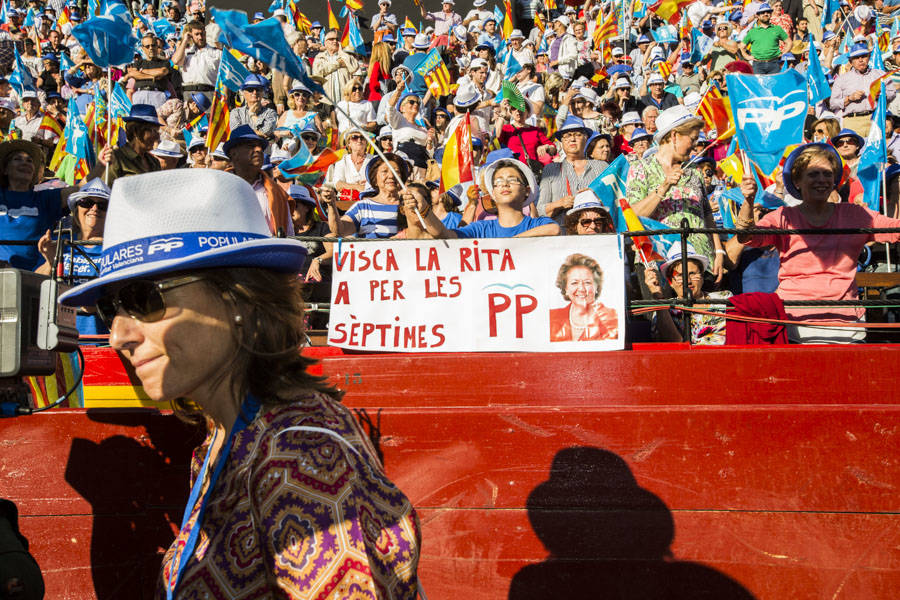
{"x":183,"y":219}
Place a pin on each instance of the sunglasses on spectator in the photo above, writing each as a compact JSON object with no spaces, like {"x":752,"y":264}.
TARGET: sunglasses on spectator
{"x":312,"y":138}
{"x":597,"y":222}
{"x":356,"y":88}
{"x":821,"y":131}
{"x":677,"y":276}
{"x":355,"y":138}
{"x":299,"y":94}
{"x":141,"y":299}
{"x":89,"y":203}
{"x":845,"y":142}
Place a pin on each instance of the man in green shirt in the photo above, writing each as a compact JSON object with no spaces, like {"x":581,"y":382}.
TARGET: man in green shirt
{"x":763,"y":40}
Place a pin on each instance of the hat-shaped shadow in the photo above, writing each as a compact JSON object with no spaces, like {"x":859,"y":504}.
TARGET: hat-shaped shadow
{"x":608,"y":538}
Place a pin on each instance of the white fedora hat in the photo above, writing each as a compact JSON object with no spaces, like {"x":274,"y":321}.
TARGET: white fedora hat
{"x":671,"y":118}
{"x":95,"y":188}
{"x":179,"y":220}
{"x":674,"y":256}
{"x":168,"y":148}
{"x":586,"y":200}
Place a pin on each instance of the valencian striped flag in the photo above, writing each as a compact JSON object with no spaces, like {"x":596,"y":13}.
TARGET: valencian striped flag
{"x":606,"y":28}
{"x":220,"y":115}
{"x":669,"y":10}
{"x":456,"y":166}
{"x":664,"y":69}
{"x":508,"y":21}
{"x":715,"y":111}
{"x":435,"y":73}
{"x":875,"y":88}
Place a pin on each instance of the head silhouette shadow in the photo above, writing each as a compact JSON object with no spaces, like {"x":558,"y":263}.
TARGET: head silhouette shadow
{"x":607,"y":537}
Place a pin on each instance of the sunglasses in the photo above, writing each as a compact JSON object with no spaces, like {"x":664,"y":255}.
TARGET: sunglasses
{"x":845,"y":142}
{"x":312,"y":138}
{"x":355,"y":138}
{"x":356,"y":88}
{"x":141,"y":299}
{"x":597,"y":222}
{"x":88,"y":204}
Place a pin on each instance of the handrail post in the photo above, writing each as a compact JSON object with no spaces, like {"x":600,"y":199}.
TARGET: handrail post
{"x":685,"y":288}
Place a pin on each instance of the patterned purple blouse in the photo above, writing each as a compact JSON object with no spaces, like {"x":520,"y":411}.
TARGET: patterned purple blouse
{"x":300,"y":514}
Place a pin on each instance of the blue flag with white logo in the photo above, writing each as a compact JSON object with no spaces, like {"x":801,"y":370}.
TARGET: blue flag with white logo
{"x":873,"y":158}
{"x":263,"y":41}
{"x":232,"y":72}
{"x":162,"y":28}
{"x":21,"y":78}
{"x":301,"y":159}
{"x":815,"y":77}
{"x":769,"y":112}
{"x":119,"y":103}
{"x":107,"y":39}
{"x":701,"y":45}
{"x":78,"y":142}
{"x":609,"y":186}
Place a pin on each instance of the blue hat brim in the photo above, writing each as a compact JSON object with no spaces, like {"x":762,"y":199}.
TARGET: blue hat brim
{"x":789,"y":164}
{"x":139,"y":119}
{"x":587,"y":131}
{"x":277,"y":254}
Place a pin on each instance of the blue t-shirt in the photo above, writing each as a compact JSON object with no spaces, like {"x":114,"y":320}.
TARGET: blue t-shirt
{"x":452,"y":220}
{"x":26,"y":216}
{"x":492,"y":228}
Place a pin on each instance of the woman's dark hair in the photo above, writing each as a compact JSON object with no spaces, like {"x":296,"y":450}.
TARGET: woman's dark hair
{"x":579,"y":260}
{"x":572,"y":221}
{"x":268,"y":363}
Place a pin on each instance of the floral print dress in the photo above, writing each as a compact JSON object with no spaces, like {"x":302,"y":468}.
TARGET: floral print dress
{"x":686,"y":199}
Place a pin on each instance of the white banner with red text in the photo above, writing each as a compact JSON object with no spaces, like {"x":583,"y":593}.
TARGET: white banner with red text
{"x":549,"y":294}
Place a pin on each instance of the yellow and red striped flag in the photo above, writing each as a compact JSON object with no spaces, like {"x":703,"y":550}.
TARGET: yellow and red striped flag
{"x":606,"y":28}
{"x":219,"y":118}
{"x":714,"y":109}
{"x":456,"y":166}
{"x":664,"y":69}
{"x":332,"y":20}
{"x":353,"y":4}
{"x":409,"y":25}
{"x":508,"y":21}
{"x":538,"y":22}
{"x":641,"y":243}
{"x":875,"y":88}
{"x":50,"y":124}
{"x":669,"y":10}
{"x":435,"y":73}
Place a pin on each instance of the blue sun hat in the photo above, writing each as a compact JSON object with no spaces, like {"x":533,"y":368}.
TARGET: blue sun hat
{"x":573,"y":123}
{"x":95,"y":188}
{"x":202,"y":102}
{"x":143,"y":113}
{"x":789,"y":164}
{"x":243,"y":134}
{"x":858,"y":50}
{"x":195,"y":233}
{"x":849,"y":133}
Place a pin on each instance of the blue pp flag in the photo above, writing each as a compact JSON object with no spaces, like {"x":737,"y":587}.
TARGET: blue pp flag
{"x":263,"y":41}
{"x":354,"y":37}
{"x":769,"y":112}
{"x":232,"y":72}
{"x":815,"y":78}
{"x":609,"y":185}
{"x":21,"y":78}
{"x":831,"y":6}
{"x":701,"y":45}
{"x":666,"y":34}
{"x":873,"y":159}
{"x":78,"y":142}
{"x":661,"y":242}
{"x":511,"y":65}
{"x":29,"y":18}
{"x":162,"y":28}
{"x":499,"y":16}
{"x":107,"y":39}
{"x":119,"y":103}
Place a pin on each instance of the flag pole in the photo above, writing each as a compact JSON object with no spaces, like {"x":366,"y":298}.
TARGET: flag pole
{"x":884,"y":208}
{"x":108,"y":120}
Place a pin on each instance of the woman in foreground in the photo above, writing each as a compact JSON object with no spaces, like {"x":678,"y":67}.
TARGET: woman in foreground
{"x":817,"y":267}
{"x":288,"y":499}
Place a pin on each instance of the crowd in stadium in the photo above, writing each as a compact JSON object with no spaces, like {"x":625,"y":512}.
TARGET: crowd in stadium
{"x":477,"y":121}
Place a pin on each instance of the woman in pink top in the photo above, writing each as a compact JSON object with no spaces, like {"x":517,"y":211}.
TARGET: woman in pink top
{"x":818,"y":267}
{"x":526,"y":141}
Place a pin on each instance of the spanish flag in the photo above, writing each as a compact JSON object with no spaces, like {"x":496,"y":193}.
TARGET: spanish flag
{"x":332,"y":20}
{"x":641,"y":243}
{"x":456,"y":166}
{"x":669,"y":10}
{"x":48,"y":123}
{"x":508,"y":21}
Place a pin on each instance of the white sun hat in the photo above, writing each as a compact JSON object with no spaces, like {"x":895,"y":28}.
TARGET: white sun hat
{"x":169,"y":221}
{"x":517,"y":164}
{"x":673,"y":256}
{"x":95,"y":188}
{"x":168,"y":148}
{"x":584,"y":200}
{"x":671,"y":118}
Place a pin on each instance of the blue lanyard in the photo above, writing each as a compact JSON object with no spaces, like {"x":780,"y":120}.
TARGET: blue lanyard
{"x":249,"y":409}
